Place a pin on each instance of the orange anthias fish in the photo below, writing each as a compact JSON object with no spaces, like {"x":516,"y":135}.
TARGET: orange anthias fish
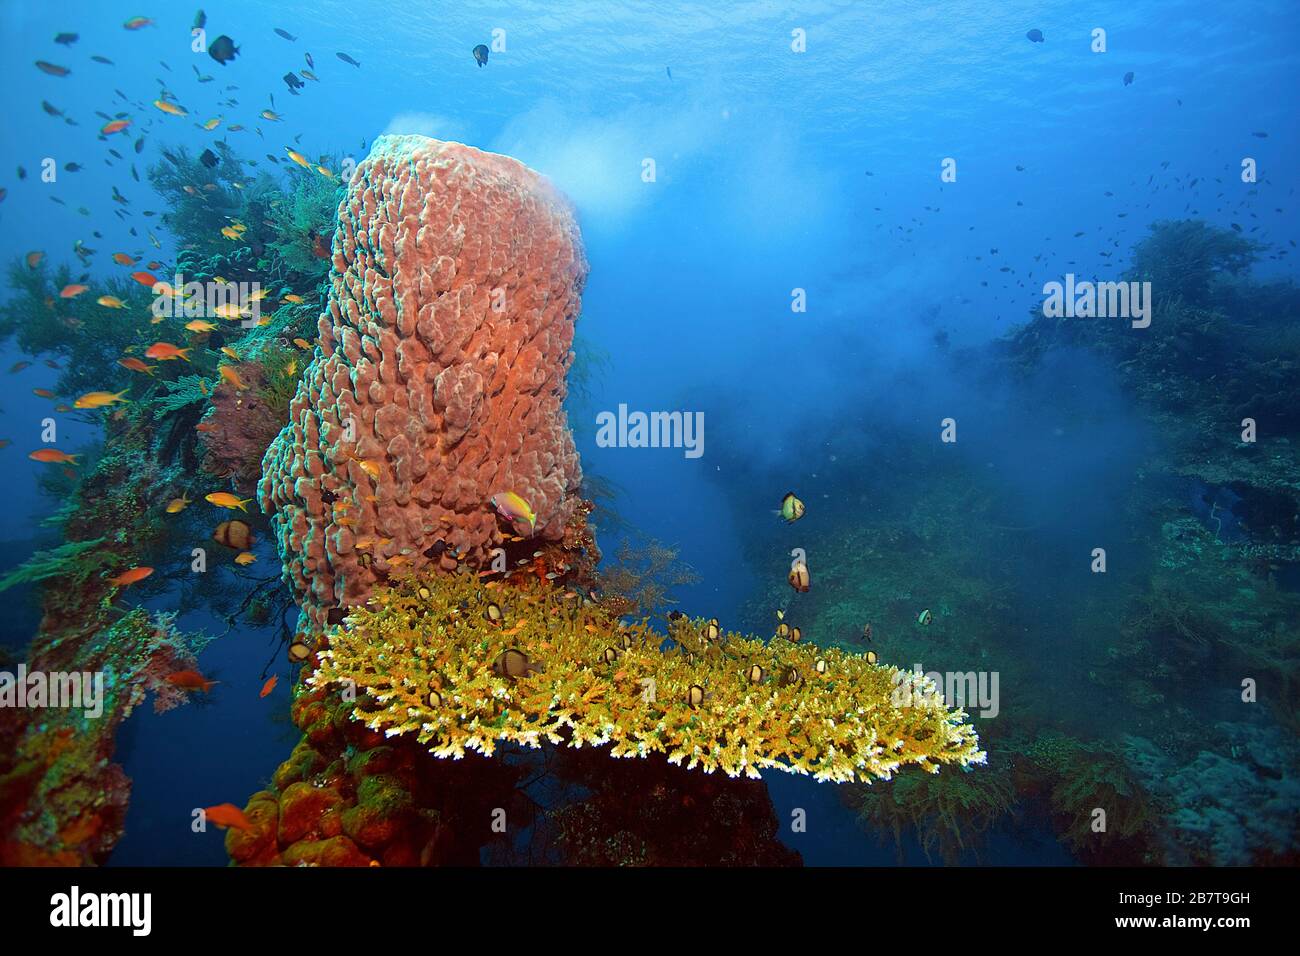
{"x":135,"y":365}
{"x":34,"y":259}
{"x":114,"y":127}
{"x":122,"y":259}
{"x":42,"y":393}
{"x":130,"y":577}
{"x":513,"y":508}
{"x":166,"y":352}
{"x":231,"y":376}
{"x":145,"y":279}
{"x":72,"y":291}
{"x":171,"y":108}
{"x":227,"y":815}
{"x":224,"y":499}
{"x":100,"y":399}
{"x":190,"y":680}
{"x":269,"y":685}
{"x":53,"y":455}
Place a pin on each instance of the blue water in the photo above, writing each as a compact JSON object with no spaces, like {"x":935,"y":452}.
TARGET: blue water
{"x":775,"y":171}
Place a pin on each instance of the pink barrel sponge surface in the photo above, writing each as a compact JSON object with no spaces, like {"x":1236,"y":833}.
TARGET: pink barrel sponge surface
{"x":456,"y":281}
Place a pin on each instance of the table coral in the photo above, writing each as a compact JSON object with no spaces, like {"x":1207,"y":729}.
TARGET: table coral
{"x":425,"y":658}
{"x":439,"y":380}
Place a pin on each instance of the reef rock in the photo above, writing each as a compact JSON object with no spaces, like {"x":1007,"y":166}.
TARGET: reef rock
{"x":239,"y":427}
{"x":440,"y":379}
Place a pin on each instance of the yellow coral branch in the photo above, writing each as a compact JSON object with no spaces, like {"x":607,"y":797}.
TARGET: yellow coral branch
{"x":440,"y":668}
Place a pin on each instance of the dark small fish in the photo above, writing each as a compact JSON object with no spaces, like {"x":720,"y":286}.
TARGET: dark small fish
{"x":208,"y":158}
{"x":347,"y":59}
{"x":1128,"y":78}
{"x":72,"y":167}
{"x":115,"y":153}
{"x":67,"y":39}
{"x":1260,"y":135}
{"x":52,"y":68}
{"x":200,"y":20}
{"x":223,"y":49}
{"x":481,"y":55}
{"x":163,"y":64}
{"x":102,"y":59}
{"x":515,"y":663}
{"x":51,"y":109}
{"x":286,"y":34}
{"x":22,"y":173}
{"x":1035,"y":36}
{"x":669,"y":71}
{"x":291,"y":80}
{"x":139,"y":145}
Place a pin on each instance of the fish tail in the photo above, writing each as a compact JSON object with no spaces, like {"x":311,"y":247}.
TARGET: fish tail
{"x":243,"y":502}
{"x":184,"y":353}
{"x":118,"y":395}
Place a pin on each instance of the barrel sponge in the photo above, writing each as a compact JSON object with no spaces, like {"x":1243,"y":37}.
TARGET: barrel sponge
{"x":439,"y":378}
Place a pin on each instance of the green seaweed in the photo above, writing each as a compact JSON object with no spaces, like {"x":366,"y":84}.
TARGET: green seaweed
{"x":72,"y":561}
{"x":948,"y":813}
{"x":185,"y":391}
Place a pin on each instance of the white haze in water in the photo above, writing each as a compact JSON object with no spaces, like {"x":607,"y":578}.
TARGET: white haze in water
{"x":597,"y":161}
{"x":425,"y":124}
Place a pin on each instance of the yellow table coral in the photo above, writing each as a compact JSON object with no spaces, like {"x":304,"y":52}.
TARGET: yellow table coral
{"x":463,"y":664}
